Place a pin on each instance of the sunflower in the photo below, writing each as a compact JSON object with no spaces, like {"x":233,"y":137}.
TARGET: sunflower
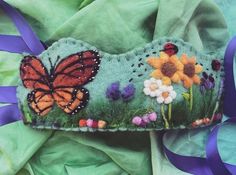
{"x":190,"y":71}
{"x":167,"y":68}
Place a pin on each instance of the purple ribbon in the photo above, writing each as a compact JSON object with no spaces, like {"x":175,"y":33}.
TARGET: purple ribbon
{"x":194,"y":165}
{"x":8,"y":94}
{"x":213,"y":164}
{"x":34,"y":45}
{"x":28,"y":42}
{"x":9,"y":114}
{"x":13,"y":44}
{"x":230,"y":90}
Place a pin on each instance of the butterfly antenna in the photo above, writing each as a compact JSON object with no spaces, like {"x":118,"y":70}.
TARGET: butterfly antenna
{"x":58,"y":57}
{"x":50,"y":61}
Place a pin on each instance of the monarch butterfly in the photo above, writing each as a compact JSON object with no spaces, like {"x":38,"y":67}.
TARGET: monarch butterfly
{"x":62,"y":85}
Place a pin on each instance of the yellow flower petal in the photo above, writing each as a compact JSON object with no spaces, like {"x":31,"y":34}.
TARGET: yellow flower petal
{"x":179,"y":66}
{"x":181,"y":75}
{"x":196,"y":79}
{"x":198,"y":69}
{"x":164,"y":57}
{"x":184,"y":59}
{"x":156,"y":74}
{"x":174,"y":59}
{"x":154,"y":62}
{"x":166,"y":81}
{"x":192,"y":60}
{"x":187,"y":82}
{"x":175,"y":78}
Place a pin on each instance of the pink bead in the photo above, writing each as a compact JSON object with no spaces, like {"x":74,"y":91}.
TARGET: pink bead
{"x":146,"y":119}
{"x":137,"y":120}
{"x":89,"y":122}
{"x":152,"y":116}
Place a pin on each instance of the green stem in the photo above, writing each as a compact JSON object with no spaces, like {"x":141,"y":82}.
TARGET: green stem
{"x":214,"y":112}
{"x":210,"y":105}
{"x":169,"y":111}
{"x":191,"y":98}
{"x":164,"y":117}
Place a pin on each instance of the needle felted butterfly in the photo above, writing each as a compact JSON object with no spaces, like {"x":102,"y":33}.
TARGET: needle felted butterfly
{"x":62,"y":85}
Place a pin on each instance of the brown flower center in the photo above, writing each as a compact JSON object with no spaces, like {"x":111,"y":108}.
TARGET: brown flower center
{"x":189,"y":70}
{"x":153,"y":87}
{"x":165,"y":94}
{"x":168,"y":69}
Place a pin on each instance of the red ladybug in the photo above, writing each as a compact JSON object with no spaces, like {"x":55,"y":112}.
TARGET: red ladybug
{"x":215,"y":65}
{"x":170,"y":49}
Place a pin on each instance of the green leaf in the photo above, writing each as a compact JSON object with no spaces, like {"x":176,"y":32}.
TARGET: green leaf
{"x":186,"y":96}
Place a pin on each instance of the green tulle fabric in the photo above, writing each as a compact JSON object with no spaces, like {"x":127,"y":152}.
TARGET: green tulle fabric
{"x":115,"y":27}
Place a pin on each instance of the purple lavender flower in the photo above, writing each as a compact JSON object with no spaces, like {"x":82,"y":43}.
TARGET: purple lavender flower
{"x":113,"y":91}
{"x":207,"y":82}
{"x":128,"y":92}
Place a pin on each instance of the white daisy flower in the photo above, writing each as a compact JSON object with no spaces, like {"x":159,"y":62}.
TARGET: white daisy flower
{"x":151,"y":87}
{"x":166,"y":94}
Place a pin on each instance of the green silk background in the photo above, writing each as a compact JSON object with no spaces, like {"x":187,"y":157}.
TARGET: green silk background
{"x":114,"y":26}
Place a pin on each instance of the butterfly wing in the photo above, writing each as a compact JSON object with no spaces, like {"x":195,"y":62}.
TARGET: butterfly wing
{"x":71,"y":100}
{"x":33,"y":74}
{"x":41,"y":102}
{"x":76,"y":70}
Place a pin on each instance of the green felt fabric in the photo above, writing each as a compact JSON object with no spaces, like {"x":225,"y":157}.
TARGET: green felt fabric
{"x":120,"y":67}
{"x":114,"y":26}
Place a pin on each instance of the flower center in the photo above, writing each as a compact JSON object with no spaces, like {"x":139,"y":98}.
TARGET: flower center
{"x":165,"y":94}
{"x":189,"y":69}
{"x":168,"y":69}
{"x":153,"y":87}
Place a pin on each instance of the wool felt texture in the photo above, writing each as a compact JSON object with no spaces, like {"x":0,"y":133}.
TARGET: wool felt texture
{"x":120,"y":26}
{"x":129,"y":68}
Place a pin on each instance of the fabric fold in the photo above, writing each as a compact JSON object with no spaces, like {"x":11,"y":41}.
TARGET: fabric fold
{"x":115,"y":27}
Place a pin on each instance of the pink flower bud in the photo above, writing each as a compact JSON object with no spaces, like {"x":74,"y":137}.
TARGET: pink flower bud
{"x":89,"y":122}
{"x":137,"y":120}
{"x":152,"y":116}
{"x":145,"y":118}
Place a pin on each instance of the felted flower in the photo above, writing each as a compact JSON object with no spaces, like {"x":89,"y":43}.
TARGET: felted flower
{"x":89,"y":122}
{"x":113,"y":91}
{"x":217,"y":117}
{"x":166,"y":94}
{"x":215,"y":64}
{"x":151,"y":87}
{"x":127,"y":93}
{"x":82,"y":123}
{"x":152,"y":116}
{"x":94,"y":124}
{"x":201,"y":122}
{"x":102,"y":124}
{"x":146,"y":119}
{"x":206,"y":121}
{"x":197,"y":123}
{"x":167,"y":68}
{"x":137,"y":120}
{"x":190,"y":71}
{"x":207,"y":82}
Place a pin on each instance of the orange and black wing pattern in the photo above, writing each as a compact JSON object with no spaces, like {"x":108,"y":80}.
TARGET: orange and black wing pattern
{"x":71,"y":100}
{"x":41,"y":102}
{"x":63,"y":85}
{"x":33,"y":74}
{"x":76,"y":70}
